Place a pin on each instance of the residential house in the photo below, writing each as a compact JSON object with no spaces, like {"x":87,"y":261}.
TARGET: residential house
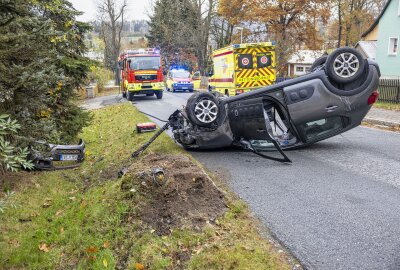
{"x":301,"y":61}
{"x":384,"y":34}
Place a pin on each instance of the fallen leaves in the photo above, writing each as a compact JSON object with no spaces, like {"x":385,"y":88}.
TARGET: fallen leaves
{"x":44,"y":247}
{"x":139,"y":266}
{"x":47,"y":203}
{"x":14,"y":243}
{"x":92,"y":250}
{"x":106,"y":244}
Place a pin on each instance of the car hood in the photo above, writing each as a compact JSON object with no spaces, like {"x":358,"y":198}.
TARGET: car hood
{"x":182,"y":79}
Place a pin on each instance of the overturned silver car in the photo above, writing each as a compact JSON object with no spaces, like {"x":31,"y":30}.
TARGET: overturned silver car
{"x":333,"y":98}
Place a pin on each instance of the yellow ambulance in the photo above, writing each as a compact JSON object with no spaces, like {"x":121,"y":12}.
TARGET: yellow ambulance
{"x":239,"y":68}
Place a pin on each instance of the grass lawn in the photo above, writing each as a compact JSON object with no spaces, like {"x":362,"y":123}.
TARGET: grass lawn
{"x":87,"y":218}
{"x":387,"y":106}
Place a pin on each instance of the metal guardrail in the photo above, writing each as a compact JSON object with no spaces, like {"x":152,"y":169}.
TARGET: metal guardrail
{"x":389,"y":90}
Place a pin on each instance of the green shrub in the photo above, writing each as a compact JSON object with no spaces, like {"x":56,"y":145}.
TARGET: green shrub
{"x":12,"y":158}
{"x":101,"y":76}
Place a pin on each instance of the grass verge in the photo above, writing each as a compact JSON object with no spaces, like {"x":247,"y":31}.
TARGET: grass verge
{"x":85,"y":219}
{"x":387,"y":106}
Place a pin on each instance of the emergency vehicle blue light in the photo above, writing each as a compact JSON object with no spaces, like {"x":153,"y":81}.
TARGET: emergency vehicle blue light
{"x":273,"y":42}
{"x":178,"y":68}
{"x":236,"y":46}
{"x":157,"y":51}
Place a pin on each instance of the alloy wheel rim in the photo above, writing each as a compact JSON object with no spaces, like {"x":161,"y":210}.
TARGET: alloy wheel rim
{"x":206,"y":111}
{"x":346,"y":65}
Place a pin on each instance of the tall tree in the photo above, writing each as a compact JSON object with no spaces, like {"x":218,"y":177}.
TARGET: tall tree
{"x":354,"y":17}
{"x":289,"y":22}
{"x":112,"y":23}
{"x":182,"y":27}
{"x":41,"y":65}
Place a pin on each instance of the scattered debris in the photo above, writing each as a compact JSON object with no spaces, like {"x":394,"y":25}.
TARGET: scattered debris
{"x":49,"y":157}
{"x":146,"y":127}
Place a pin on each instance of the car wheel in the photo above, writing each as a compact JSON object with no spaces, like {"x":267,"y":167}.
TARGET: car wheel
{"x":345,"y":65}
{"x":319,"y":62}
{"x":202,"y":109}
{"x":124,"y":94}
{"x":130,"y":96}
{"x":209,"y":88}
{"x":159,"y":94}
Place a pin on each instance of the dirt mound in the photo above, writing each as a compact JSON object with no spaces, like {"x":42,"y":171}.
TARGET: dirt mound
{"x":188,"y":197}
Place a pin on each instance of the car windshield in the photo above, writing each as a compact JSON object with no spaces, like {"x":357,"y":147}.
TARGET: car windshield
{"x":180,"y":74}
{"x":144,"y":62}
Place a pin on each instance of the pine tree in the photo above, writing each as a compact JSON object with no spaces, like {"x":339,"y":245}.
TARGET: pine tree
{"x":42,"y":63}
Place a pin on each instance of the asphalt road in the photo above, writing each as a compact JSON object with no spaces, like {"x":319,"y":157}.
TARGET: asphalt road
{"x":336,"y":207}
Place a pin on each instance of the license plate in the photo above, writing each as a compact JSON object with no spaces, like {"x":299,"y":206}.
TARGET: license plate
{"x":184,"y":88}
{"x":68,"y":157}
{"x":146,"y":84}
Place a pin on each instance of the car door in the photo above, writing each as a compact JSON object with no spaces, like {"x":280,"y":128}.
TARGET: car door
{"x":314,"y":110}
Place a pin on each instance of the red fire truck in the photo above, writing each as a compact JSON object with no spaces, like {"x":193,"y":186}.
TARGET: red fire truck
{"x":141,"y":73}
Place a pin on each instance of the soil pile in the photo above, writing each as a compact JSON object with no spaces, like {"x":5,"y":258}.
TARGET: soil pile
{"x":185,"y":196}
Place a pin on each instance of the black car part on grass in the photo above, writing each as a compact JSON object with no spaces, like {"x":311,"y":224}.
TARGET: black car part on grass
{"x":49,"y":157}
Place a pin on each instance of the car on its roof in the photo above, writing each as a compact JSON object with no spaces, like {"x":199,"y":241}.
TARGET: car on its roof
{"x":333,"y":98}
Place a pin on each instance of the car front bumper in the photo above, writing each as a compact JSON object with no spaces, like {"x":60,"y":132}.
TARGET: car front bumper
{"x":183,"y":87}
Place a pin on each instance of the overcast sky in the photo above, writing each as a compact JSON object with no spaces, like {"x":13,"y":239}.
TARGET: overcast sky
{"x":137,"y":9}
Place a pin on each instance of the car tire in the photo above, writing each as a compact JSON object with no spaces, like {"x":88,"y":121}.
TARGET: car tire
{"x":159,"y":94}
{"x":130,"y":96}
{"x":203,"y":109}
{"x":345,"y":65}
{"x":124,"y":94}
{"x":319,"y":62}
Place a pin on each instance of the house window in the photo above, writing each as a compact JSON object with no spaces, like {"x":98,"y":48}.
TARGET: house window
{"x":393,"y":46}
{"x":398,"y":13}
{"x":299,"y":69}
